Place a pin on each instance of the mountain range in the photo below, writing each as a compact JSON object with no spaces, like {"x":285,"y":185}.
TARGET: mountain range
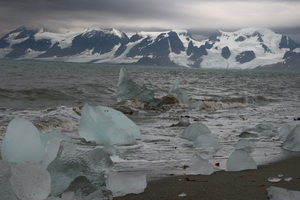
{"x":249,"y":48}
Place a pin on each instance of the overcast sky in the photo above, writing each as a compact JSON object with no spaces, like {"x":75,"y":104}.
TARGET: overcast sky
{"x":199,"y":17}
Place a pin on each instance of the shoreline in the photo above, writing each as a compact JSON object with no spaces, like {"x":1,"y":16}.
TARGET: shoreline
{"x":247,"y":184}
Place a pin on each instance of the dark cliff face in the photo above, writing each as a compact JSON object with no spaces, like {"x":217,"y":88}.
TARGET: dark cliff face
{"x":287,"y":42}
{"x":98,"y":41}
{"x":240,"y":39}
{"x":226,"y":52}
{"x":245,"y":56}
{"x":29,"y":42}
{"x":158,"y":49}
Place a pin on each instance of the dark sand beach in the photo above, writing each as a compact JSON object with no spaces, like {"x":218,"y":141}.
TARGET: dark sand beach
{"x":248,"y":184}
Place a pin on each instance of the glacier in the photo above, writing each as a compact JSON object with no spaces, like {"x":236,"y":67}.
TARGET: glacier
{"x":165,"y":48}
{"x":107,"y":126}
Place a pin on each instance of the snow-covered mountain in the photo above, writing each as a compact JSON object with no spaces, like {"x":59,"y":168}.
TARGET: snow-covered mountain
{"x":244,"y":49}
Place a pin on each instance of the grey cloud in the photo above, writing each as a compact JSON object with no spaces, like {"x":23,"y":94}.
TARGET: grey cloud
{"x":136,"y":15}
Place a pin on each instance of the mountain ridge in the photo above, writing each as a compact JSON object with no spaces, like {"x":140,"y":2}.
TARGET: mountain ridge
{"x":247,"y":48}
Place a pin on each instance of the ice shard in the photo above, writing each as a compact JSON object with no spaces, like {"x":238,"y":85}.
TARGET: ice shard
{"x":107,"y":126}
{"x":193,"y":131}
{"x":128,"y":89}
{"x":240,"y":160}
{"x":122,"y":183}
{"x":22,"y":142}
{"x":200,"y":166}
{"x":6,"y":191}
{"x":292,"y":142}
{"x":285,"y":130}
{"x":73,"y":161}
{"x":183,"y":97}
{"x":30,"y":181}
{"x":278,"y":193}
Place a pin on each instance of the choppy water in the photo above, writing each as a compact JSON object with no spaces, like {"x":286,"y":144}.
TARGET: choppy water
{"x":47,"y":92}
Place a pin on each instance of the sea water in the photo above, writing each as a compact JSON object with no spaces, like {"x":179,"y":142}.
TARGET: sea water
{"x":51,"y":94}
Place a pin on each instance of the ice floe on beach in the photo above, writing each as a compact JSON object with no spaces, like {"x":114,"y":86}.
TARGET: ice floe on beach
{"x":279,"y":193}
{"x":200,"y":166}
{"x":24,"y":142}
{"x":241,"y":159}
{"x":122,"y":183}
{"x":107,"y":126}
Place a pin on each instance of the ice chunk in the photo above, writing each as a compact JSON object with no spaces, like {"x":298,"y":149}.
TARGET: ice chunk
{"x":285,"y":131}
{"x":22,"y":142}
{"x":292,"y":141}
{"x":193,"y":131}
{"x":73,"y":161}
{"x":183,"y":97}
{"x":182,"y":122}
{"x":244,"y":145}
{"x":207,"y":140}
{"x":128,"y":89}
{"x":6,"y":191}
{"x":122,"y":183}
{"x":107,"y":126}
{"x":200,"y":166}
{"x":274,"y":179}
{"x":182,"y":195}
{"x":30,"y":181}
{"x":288,"y":179}
{"x":240,"y":160}
{"x":278,"y":193}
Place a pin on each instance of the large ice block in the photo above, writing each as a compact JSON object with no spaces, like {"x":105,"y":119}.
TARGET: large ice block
{"x":122,"y":183}
{"x":30,"y":181}
{"x":193,"y":131}
{"x":6,"y":191}
{"x":183,"y":97}
{"x":200,"y":166}
{"x":128,"y":89}
{"x":206,"y":140}
{"x":107,"y":126}
{"x":22,"y":142}
{"x":292,"y":141}
{"x":240,"y":160}
{"x":75,"y":160}
{"x":278,"y":193}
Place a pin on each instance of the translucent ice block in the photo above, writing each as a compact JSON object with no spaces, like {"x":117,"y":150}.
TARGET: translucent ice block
{"x":240,"y":160}
{"x":73,"y":161}
{"x":122,"y":183}
{"x":193,"y":131}
{"x":107,"y":126}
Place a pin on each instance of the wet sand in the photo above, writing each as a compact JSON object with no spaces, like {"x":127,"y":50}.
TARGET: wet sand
{"x":248,"y":184}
